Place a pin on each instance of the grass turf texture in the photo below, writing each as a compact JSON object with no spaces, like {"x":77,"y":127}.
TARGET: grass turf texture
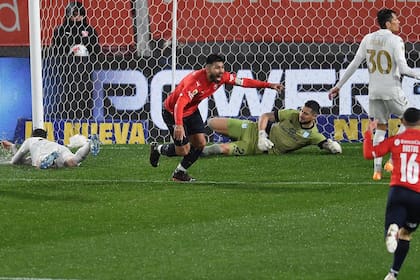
{"x":305,"y":215}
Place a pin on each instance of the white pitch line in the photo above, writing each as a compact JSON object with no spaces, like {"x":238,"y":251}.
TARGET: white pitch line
{"x":193,"y":183}
{"x":26,"y":278}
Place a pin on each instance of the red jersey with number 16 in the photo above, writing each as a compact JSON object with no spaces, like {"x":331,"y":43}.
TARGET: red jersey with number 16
{"x":404,"y":148}
{"x":195,"y":87}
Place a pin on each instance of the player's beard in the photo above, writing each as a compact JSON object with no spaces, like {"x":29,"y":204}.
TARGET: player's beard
{"x":215,"y":78}
{"x":304,"y":122}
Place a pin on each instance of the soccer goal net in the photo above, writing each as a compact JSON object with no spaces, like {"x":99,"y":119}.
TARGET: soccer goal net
{"x":111,"y":75}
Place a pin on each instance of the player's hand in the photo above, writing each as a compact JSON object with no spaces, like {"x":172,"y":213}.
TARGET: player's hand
{"x":264,"y":144}
{"x":277,"y":87}
{"x":179,"y":132}
{"x":6,"y":144}
{"x":372,"y":125}
{"x":333,"y":93}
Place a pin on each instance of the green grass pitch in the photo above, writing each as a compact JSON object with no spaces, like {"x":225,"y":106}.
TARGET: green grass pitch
{"x":304,"y":215}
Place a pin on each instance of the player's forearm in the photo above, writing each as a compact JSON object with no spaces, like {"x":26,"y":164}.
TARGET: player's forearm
{"x":357,"y":60}
{"x":263,"y":121}
{"x":18,"y":157}
{"x":348,"y":73}
{"x":405,"y":70}
{"x":251,"y":83}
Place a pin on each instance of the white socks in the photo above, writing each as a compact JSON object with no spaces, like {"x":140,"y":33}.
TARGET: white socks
{"x":378,"y":137}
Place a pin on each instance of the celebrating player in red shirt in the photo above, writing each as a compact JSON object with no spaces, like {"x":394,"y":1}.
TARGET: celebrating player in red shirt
{"x":183,"y":118}
{"x":403,"y":207}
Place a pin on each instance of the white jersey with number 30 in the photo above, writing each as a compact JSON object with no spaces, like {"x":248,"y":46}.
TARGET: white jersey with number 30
{"x":384,"y":53}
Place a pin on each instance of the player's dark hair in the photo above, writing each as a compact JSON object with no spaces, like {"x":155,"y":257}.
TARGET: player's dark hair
{"x":75,"y":8}
{"x":313,"y":105}
{"x":384,"y":16}
{"x":412,"y":116}
{"x":39,"y":132}
{"x":214,"y":58}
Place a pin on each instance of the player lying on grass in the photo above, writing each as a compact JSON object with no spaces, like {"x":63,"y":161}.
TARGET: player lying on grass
{"x":42,"y":153}
{"x":275,"y":132}
{"x":402,"y":215}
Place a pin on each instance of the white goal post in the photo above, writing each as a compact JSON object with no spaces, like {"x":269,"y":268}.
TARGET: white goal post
{"x":147,"y":46}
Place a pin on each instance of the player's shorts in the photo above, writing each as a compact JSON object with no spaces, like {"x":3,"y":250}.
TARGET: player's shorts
{"x":192,"y":125}
{"x":382,"y":109}
{"x":245,"y":134}
{"x":403,"y":208}
{"x":64,"y":155}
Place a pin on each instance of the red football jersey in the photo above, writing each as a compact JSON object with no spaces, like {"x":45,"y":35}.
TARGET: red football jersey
{"x":404,"y":149}
{"x":195,"y":87}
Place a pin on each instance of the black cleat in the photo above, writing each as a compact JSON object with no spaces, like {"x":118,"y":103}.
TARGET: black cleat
{"x":181,"y":176}
{"x":154,"y":154}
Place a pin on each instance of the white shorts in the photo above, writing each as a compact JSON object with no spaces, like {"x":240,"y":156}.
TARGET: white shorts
{"x":381,"y":110}
{"x":64,"y":155}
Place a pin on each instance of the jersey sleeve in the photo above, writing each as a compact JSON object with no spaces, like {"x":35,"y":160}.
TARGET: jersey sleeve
{"x":232,"y":79}
{"x":180,"y":104}
{"x":370,"y":151}
{"x":402,"y":62}
{"x":20,"y":154}
{"x":358,"y":59}
{"x":189,"y":90}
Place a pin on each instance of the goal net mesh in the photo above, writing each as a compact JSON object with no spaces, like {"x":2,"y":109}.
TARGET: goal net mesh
{"x":117,"y":88}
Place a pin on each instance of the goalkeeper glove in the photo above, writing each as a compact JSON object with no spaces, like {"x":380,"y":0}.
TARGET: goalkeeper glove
{"x":333,"y":146}
{"x":264,"y":144}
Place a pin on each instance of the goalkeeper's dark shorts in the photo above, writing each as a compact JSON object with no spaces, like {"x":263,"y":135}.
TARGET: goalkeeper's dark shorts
{"x":403,"y":208}
{"x":192,"y":125}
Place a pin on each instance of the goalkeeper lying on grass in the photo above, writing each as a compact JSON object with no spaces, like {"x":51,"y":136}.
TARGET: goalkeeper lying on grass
{"x":42,"y":153}
{"x":276,"y":132}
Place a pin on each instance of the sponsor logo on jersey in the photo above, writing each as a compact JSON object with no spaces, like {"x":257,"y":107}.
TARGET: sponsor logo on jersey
{"x":193,"y":93}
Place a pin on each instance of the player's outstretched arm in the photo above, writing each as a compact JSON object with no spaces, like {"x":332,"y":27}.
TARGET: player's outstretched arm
{"x":251,"y":83}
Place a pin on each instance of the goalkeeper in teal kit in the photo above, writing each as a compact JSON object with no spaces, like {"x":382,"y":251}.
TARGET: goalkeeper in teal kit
{"x":277,"y":132}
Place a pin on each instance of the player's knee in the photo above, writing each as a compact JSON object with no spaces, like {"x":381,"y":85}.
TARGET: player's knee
{"x":404,"y":234}
{"x":237,"y":150}
{"x":211,"y":122}
{"x":217,"y":124}
{"x":199,"y":145}
{"x":198,"y":141}
{"x":182,"y":150}
{"x":224,"y":148}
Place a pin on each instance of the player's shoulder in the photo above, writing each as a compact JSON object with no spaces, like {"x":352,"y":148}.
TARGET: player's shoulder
{"x":194,"y":76}
{"x":288,"y":113}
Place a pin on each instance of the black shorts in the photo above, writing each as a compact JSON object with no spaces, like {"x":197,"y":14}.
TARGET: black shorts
{"x":192,"y":125}
{"x":403,"y":208}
